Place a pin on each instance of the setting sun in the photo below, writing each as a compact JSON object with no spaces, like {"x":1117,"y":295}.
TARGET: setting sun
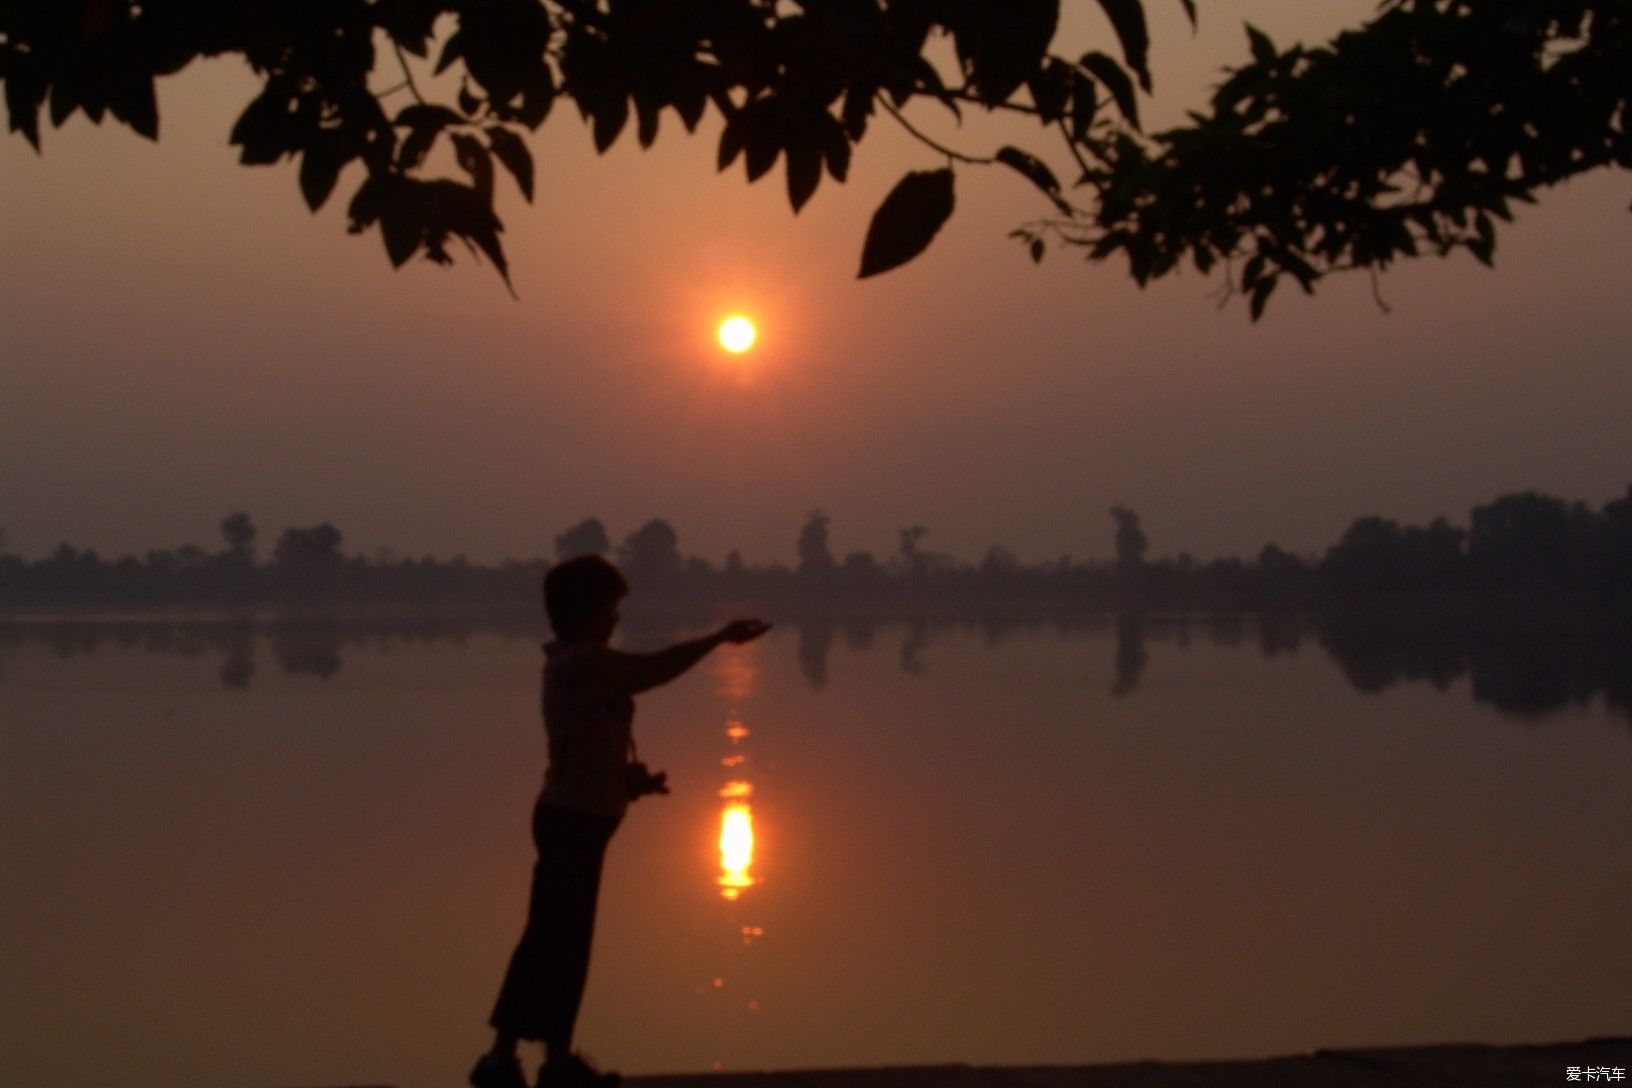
{"x":737,"y":334}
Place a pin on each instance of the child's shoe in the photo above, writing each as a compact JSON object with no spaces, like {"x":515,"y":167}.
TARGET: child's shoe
{"x":574,"y":1072}
{"x":493,"y":1071}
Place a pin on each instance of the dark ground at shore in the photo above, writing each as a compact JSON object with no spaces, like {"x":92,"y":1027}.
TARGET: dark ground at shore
{"x":1458,"y":1064}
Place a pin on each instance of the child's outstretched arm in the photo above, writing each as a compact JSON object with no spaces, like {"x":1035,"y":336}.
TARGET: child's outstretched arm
{"x":642,"y":672}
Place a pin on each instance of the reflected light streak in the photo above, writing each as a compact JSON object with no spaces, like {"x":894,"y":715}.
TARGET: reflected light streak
{"x":736,"y":673}
{"x":736,"y":850}
{"x":737,"y":791}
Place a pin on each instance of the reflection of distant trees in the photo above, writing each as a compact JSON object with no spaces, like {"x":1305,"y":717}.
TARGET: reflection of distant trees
{"x":237,"y":671}
{"x":1130,"y":651}
{"x":1377,"y":651}
{"x":1520,"y":665}
{"x":913,"y":645}
{"x":239,"y":667}
{"x":1279,"y":633}
{"x":858,"y":633}
{"x":312,"y":647}
{"x":308,"y":650}
{"x":815,"y":558}
{"x":1524,"y":665}
{"x":815,"y":643}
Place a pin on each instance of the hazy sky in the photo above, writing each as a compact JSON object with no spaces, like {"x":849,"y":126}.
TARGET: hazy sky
{"x":180,"y":338}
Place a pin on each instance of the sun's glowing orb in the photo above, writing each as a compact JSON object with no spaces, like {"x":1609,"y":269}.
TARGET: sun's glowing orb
{"x":737,"y":334}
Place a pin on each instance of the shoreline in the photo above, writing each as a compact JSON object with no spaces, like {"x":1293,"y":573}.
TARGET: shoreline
{"x":1474,"y":1065}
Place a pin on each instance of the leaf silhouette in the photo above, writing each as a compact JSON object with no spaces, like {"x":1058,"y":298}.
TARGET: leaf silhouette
{"x":907,"y":221}
{"x":1128,"y":17}
{"x":1035,"y":171}
{"x":1108,"y":72}
{"x":513,"y":153}
{"x":1002,"y":44}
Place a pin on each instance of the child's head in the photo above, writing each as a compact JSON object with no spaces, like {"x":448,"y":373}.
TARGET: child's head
{"x":581,"y":598}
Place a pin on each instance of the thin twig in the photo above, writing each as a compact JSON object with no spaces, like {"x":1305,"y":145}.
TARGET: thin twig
{"x":1226,"y":290}
{"x":408,"y":77}
{"x":942,"y":148}
{"x":1072,"y":144}
{"x":962,"y":95}
{"x":1377,"y":291}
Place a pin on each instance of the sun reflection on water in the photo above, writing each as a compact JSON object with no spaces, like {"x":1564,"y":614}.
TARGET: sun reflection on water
{"x":736,"y":850}
{"x":736,"y":675}
{"x":734,"y":976}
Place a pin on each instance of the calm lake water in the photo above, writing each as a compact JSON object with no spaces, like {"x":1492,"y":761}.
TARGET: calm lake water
{"x":278,"y":856}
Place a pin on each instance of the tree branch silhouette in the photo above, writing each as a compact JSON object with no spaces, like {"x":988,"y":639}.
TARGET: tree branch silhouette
{"x":1411,"y":135}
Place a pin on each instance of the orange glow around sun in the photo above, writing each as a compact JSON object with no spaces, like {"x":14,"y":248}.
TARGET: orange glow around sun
{"x":737,"y":334}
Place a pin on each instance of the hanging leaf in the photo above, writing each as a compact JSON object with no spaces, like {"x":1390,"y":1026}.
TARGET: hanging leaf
{"x":731,"y":140}
{"x":320,"y":167}
{"x":609,"y":116}
{"x":1263,"y":50}
{"x":536,"y":99}
{"x":261,"y":130}
{"x":1128,"y":19}
{"x":1002,"y":45}
{"x":1260,"y":295}
{"x":1035,"y":171}
{"x":804,"y":166}
{"x":133,"y":103}
{"x":452,"y":50}
{"x":25,"y":90}
{"x":368,"y":201}
{"x":402,"y":221}
{"x":907,"y":221}
{"x":646,"y":120}
{"x":836,"y":148}
{"x":513,"y":153}
{"x":762,"y":137}
{"x":473,"y":159}
{"x":1115,"y":80}
{"x":1084,"y":104}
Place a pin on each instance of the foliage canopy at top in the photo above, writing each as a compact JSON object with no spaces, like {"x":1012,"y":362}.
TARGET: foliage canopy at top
{"x":1410,"y":134}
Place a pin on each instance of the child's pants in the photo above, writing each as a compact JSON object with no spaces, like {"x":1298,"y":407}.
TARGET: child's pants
{"x":545,"y":982}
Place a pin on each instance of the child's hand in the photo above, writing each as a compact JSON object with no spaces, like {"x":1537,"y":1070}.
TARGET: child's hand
{"x":740,"y":631}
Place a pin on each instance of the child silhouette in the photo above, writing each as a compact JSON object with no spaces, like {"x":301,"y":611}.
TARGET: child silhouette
{"x":588,"y":704}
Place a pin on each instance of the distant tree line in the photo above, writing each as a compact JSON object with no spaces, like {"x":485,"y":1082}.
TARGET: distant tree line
{"x":1519,"y":547}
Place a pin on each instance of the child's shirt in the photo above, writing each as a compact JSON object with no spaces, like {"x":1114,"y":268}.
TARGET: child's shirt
{"x":588,"y":712}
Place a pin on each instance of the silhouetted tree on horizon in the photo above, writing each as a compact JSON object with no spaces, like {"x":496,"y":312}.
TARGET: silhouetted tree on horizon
{"x":588,"y":537}
{"x":815,"y":560}
{"x":1129,"y":541}
{"x":239,"y":533}
{"x":1525,"y":549}
{"x":651,"y":554}
{"x":309,"y":549}
{"x":1528,"y":540}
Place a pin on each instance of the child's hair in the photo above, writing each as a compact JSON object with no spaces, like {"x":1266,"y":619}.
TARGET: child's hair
{"x":576,"y":589}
